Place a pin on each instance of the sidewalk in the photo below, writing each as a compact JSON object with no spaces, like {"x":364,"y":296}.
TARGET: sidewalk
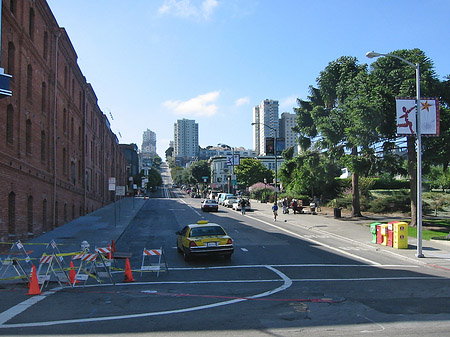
{"x":436,"y":253}
{"x":98,"y":228}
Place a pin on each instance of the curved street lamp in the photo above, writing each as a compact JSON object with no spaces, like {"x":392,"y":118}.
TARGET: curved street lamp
{"x":274,"y":152}
{"x":372,"y":54}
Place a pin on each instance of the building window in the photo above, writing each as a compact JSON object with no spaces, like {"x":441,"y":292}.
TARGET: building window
{"x":79,"y":137}
{"x":72,"y":172}
{"x":66,"y":76}
{"x":11,"y":58}
{"x":45,"y":51}
{"x":12,"y":214}
{"x":73,"y":211}
{"x":12,"y":6}
{"x":31,"y":24}
{"x":28,"y":137}
{"x":30,"y":215}
{"x":43,"y":146}
{"x":9,"y":124}
{"x":29,"y":81}
{"x":65,"y":212}
{"x":71,"y":129}
{"x":64,"y":161}
{"x":64,"y":120}
{"x":44,"y":214}
{"x":44,"y":97}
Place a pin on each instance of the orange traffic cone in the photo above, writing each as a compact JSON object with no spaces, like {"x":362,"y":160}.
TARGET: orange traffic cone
{"x":113,"y":246}
{"x":128,"y":273}
{"x":72,"y":274}
{"x":110,"y":253}
{"x":34,"y":283}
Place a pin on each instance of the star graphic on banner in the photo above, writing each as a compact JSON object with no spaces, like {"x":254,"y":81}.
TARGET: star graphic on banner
{"x":426,"y":106}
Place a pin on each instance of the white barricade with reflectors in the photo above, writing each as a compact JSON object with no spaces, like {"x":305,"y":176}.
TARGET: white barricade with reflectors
{"x":17,"y":249}
{"x":154,"y":267}
{"x":94,"y":265}
{"x":59,"y":272}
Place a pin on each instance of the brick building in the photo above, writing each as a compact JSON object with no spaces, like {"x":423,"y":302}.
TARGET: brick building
{"x":56,"y":146}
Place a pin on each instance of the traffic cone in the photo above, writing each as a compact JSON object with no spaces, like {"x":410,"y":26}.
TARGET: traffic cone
{"x":110,"y":253}
{"x":34,"y":283}
{"x":113,"y":246}
{"x":72,"y":274}
{"x":128,"y":273}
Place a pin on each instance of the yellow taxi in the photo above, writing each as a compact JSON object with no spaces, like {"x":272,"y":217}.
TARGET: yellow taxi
{"x":204,"y":238}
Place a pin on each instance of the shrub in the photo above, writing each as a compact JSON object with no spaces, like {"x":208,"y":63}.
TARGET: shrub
{"x":399,"y":201}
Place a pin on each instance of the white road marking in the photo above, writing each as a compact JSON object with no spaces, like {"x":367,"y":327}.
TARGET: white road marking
{"x":244,"y":249}
{"x":319,"y":243}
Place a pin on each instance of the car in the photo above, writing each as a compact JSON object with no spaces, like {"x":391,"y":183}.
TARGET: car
{"x":237,"y":205}
{"x":209,"y":205}
{"x":204,"y":239}
{"x":221,"y":197}
{"x":228,"y":202}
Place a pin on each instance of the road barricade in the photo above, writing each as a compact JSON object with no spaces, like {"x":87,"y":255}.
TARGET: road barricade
{"x":154,"y":267}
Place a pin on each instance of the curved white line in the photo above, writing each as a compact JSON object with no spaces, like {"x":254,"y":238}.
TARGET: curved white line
{"x":286,"y":284}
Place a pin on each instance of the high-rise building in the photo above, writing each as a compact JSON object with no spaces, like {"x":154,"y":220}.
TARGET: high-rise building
{"x":186,"y":138}
{"x":148,"y":142}
{"x":265,"y":117}
{"x":287,"y":122}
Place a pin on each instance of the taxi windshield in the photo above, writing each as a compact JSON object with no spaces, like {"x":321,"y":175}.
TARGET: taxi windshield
{"x":207,"y":231}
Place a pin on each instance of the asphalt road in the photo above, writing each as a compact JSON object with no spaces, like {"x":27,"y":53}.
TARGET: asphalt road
{"x":282,"y":280}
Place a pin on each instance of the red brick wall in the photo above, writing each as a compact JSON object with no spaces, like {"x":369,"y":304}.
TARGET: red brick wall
{"x":60,"y":114}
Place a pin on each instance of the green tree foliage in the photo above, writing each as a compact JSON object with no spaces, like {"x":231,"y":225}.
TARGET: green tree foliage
{"x":311,"y":173}
{"x":154,"y":179}
{"x":251,"y":171}
{"x":198,"y":170}
{"x":169,"y":152}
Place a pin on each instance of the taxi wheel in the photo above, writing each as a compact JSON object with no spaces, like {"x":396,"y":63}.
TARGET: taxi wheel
{"x":186,"y":255}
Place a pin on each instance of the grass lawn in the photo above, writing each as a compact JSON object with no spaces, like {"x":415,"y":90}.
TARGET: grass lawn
{"x":431,"y":228}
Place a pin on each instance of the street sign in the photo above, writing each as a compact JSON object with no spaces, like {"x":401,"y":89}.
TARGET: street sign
{"x":120,"y":190}
{"x":111,"y":184}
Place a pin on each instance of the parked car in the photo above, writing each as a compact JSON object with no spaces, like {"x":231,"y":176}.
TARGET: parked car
{"x":204,"y":238}
{"x":209,"y":205}
{"x":237,"y":205}
{"x":228,"y":202}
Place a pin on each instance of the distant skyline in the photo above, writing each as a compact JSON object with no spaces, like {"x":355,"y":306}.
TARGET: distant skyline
{"x":154,"y":62}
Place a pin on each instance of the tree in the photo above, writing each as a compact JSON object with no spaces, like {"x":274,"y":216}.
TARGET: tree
{"x":341,"y":118}
{"x":200,"y":169}
{"x":392,"y":77}
{"x":251,"y":171}
{"x":169,"y":152}
{"x":154,"y":179}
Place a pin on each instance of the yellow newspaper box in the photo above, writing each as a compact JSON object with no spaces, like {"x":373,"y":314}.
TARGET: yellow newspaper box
{"x":401,"y":235}
{"x":384,"y":234}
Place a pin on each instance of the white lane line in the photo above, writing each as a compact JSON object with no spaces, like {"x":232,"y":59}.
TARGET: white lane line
{"x":318,"y":242}
{"x":287,"y":282}
{"x":21,"y":307}
{"x":360,"y":279}
{"x":195,"y":211}
{"x":244,"y":249}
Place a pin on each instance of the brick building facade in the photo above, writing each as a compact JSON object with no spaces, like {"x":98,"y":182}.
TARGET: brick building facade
{"x":56,"y":146}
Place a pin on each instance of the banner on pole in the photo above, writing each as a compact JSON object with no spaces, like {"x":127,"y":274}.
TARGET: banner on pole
{"x":406,"y":116}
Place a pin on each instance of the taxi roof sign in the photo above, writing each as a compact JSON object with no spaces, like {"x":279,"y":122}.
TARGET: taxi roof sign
{"x":202,"y":222}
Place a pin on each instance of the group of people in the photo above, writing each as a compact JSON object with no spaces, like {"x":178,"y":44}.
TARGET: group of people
{"x":295,"y":205}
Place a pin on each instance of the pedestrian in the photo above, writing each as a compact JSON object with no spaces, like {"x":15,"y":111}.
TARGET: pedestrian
{"x":294,"y":205}
{"x":243,"y":203}
{"x":275,"y":211}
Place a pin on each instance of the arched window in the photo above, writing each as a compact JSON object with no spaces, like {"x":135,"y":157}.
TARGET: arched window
{"x":31,"y":24}
{"x":43,"y":146}
{"x":30,"y":215}
{"x":45,"y":51}
{"x":11,"y":58}
{"x":28,"y":137}
{"x":71,"y":128}
{"x":12,"y":214}
{"x":9,"y":124}
{"x":44,"y":97}
{"x":73,"y":211}
{"x":44,"y":215}
{"x":12,"y":6}
{"x":64,"y":120}
{"x":29,"y":81}
{"x":64,"y":161}
{"x":65,"y":212}
{"x":66,"y":76}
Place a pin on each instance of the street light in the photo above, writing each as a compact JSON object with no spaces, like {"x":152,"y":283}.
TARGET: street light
{"x":274,"y":152}
{"x":372,"y":54}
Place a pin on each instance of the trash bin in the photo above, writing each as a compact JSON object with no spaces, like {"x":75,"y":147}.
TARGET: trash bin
{"x":337,"y":212}
{"x":373,"y":231}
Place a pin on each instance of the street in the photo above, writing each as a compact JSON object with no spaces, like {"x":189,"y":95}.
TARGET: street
{"x":281,"y":279}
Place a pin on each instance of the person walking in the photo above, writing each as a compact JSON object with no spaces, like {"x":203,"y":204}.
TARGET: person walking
{"x":243,"y":204}
{"x":275,"y":211}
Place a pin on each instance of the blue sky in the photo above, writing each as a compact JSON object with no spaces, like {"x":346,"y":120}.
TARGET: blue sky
{"x":152,"y":62}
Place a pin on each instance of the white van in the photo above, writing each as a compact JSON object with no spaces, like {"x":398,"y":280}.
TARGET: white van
{"x":221,"y":197}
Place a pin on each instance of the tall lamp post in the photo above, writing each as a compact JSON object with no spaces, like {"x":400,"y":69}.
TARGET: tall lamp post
{"x":274,"y":152}
{"x":416,"y":66}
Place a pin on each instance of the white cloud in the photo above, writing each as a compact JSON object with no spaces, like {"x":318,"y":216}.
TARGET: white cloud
{"x":200,"y":106}
{"x":242,"y":101}
{"x":189,"y":8}
{"x":288,"y":103}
